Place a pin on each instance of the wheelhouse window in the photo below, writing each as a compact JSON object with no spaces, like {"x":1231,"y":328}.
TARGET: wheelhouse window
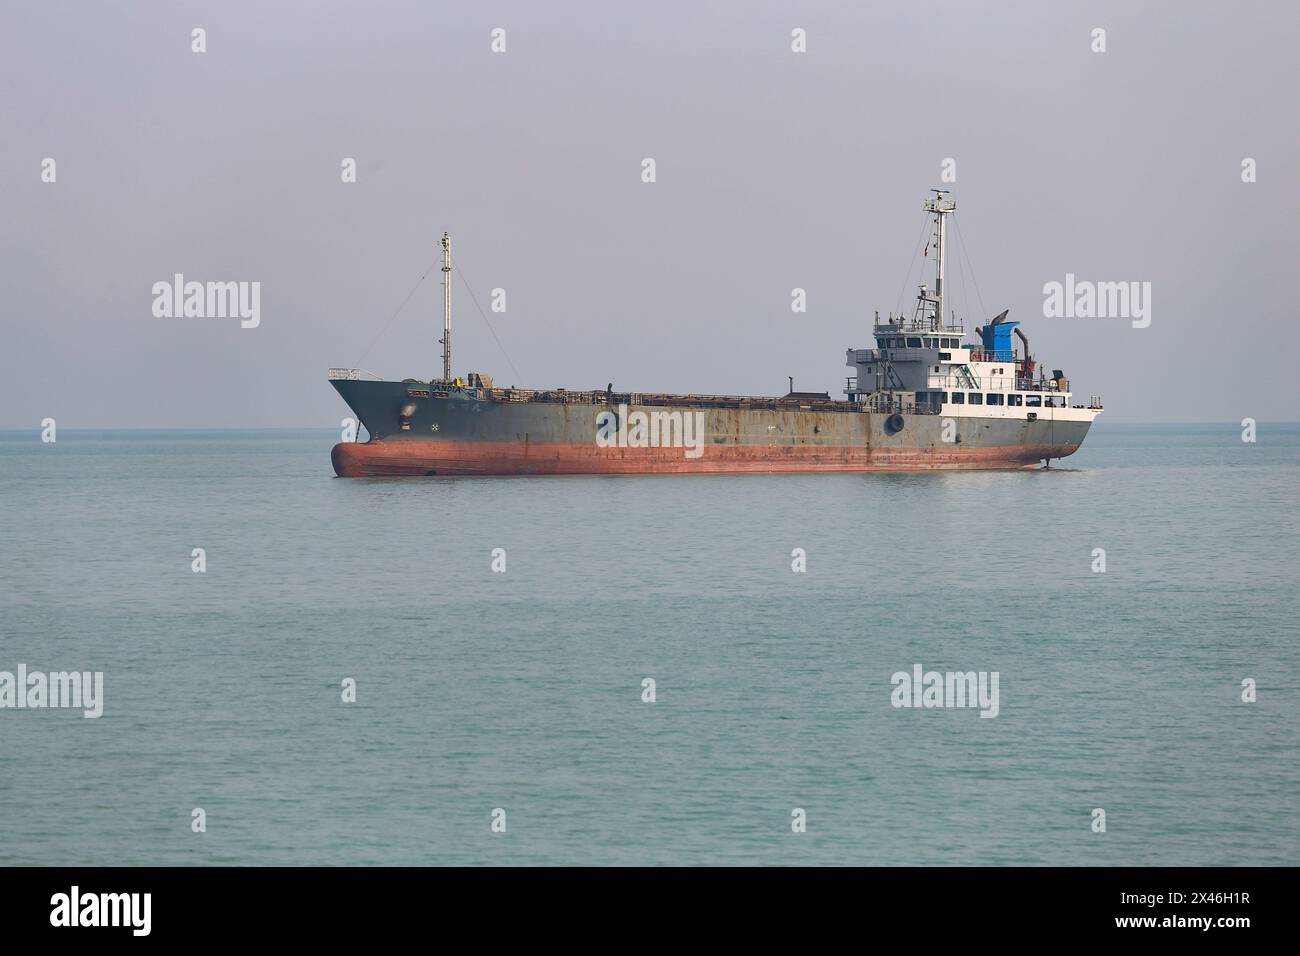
{"x":959,"y":398}
{"x":1015,"y":400}
{"x":945,"y":356}
{"x":913,"y":341}
{"x":976,"y":398}
{"x":1033,"y":401}
{"x":995,"y":398}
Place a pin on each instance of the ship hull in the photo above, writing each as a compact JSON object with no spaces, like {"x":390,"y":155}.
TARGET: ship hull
{"x":447,"y":437}
{"x":380,"y":459}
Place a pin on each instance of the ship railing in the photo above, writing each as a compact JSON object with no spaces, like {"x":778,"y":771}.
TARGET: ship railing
{"x":741,"y":402}
{"x":559,"y":396}
{"x":904,"y":355}
{"x":651,"y":400}
{"x":918,"y":325}
{"x":352,"y":374}
{"x":895,"y":354}
{"x":889,"y":405}
{"x":1043,"y":388}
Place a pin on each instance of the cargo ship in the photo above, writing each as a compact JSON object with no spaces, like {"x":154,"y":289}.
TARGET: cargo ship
{"x":926,"y":397}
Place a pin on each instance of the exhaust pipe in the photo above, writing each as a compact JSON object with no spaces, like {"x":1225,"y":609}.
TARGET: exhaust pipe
{"x":1024,"y":339}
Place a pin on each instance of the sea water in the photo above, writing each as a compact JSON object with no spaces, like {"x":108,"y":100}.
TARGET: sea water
{"x":500,"y":637}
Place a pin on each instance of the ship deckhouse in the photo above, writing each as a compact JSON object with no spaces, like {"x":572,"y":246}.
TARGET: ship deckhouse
{"x":926,"y":363}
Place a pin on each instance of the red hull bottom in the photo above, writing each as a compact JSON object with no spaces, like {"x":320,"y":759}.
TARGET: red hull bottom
{"x":378,"y":459}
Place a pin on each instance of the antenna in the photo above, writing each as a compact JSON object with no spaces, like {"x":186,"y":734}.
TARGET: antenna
{"x":446,"y":308}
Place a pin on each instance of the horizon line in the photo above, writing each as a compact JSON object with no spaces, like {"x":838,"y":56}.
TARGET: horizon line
{"x":1234,"y":423}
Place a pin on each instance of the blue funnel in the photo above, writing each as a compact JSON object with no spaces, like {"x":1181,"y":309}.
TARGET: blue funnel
{"x":997,"y":342}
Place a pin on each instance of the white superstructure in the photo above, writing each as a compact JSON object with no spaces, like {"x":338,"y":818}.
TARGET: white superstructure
{"x":925,"y":364}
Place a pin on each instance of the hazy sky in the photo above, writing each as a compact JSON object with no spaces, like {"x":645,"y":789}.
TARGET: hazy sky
{"x":775,"y":170}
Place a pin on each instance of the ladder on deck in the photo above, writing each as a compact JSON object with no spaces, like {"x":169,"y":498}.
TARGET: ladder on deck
{"x":966,"y":377}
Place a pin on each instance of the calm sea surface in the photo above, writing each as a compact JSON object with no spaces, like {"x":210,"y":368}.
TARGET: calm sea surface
{"x":523,"y":691}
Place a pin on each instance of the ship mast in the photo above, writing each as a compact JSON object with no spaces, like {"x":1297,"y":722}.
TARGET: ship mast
{"x":446,"y":308}
{"x":941,"y":206}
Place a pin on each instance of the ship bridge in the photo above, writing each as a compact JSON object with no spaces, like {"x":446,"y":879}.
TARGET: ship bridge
{"x":910,"y":356}
{"x":929,"y":370}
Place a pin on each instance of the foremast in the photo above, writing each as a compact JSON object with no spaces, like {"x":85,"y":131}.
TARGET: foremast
{"x":446,"y":308}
